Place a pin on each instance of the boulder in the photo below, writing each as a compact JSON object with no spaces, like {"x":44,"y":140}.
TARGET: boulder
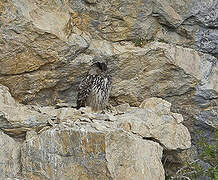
{"x":166,"y":49}
{"x":155,"y":121}
{"x":10,"y":165}
{"x":83,"y":152}
{"x":16,"y":118}
{"x":65,"y":143}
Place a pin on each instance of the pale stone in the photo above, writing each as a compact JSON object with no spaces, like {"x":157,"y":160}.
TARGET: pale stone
{"x":178,"y":117}
{"x":30,"y":134}
{"x":84,"y":144}
{"x":61,"y":114}
{"x":15,"y":118}
{"x":5,"y":97}
{"x":120,"y":109}
{"x":47,"y":19}
{"x":157,"y":122}
{"x":97,"y":147}
{"x":18,"y":120}
{"x":47,"y":46}
{"x":160,"y":107}
{"x":157,"y":105}
{"x":127,"y":157}
{"x":84,"y":153}
{"x":164,"y":9}
{"x":9,"y":157}
{"x":200,"y":65}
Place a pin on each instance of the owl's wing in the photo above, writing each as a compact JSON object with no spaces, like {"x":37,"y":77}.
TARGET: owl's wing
{"x":84,"y":90}
{"x":109,"y":80}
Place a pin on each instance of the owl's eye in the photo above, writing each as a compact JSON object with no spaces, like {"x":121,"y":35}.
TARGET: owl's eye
{"x":99,"y":64}
{"x":103,"y":66}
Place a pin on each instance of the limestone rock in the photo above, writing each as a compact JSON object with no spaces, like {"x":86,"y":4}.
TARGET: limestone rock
{"x":122,"y":108}
{"x":157,"y":105}
{"x":167,"y":13}
{"x":65,"y":142}
{"x":126,"y":156}
{"x":30,"y":134}
{"x":85,"y":153}
{"x":10,"y":165}
{"x":15,"y":118}
{"x":194,"y":23}
{"x":62,"y":44}
{"x":154,"y":48}
{"x":97,"y":147}
{"x":35,"y":44}
{"x":202,"y":66}
{"x":5,"y":97}
{"x":156,"y":122}
{"x":169,"y":76}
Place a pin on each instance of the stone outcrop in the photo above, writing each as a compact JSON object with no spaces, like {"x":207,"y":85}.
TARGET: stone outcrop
{"x":193,"y":23}
{"x":124,"y":143}
{"x":84,"y":152}
{"x":155,"y":121}
{"x":154,"y":48}
{"x":10,"y":165}
{"x":15,"y":118}
{"x":56,"y":42}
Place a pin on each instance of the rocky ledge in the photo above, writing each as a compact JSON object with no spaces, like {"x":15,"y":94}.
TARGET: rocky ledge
{"x":64,"y":143}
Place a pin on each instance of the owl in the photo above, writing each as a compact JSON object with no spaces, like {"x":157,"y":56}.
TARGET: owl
{"x":94,"y":89}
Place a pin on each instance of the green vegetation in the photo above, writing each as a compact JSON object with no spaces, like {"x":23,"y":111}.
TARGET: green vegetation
{"x":192,"y":170}
{"x":139,"y":42}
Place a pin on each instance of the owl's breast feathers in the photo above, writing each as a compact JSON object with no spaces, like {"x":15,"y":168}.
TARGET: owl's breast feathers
{"x":94,"y":91}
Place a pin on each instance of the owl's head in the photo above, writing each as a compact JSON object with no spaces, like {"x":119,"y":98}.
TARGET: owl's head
{"x":101,"y":66}
{"x":98,"y":68}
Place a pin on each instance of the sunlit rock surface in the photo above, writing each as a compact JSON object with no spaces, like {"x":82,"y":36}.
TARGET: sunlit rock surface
{"x":154,"y":48}
{"x":10,"y":165}
{"x":122,"y":143}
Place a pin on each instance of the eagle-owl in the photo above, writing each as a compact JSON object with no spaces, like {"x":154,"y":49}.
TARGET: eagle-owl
{"x":94,"y":89}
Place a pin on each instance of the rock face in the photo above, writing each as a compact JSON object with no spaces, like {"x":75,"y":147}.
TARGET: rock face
{"x":10,"y":157}
{"x":125,"y":143}
{"x":159,"y":124}
{"x":16,"y":118}
{"x":86,"y":153}
{"x":50,"y":49}
{"x":154,"y":48}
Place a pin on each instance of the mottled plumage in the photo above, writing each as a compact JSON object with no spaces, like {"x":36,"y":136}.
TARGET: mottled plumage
{"x":94,"y":89}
